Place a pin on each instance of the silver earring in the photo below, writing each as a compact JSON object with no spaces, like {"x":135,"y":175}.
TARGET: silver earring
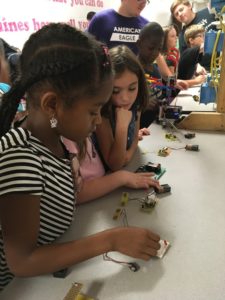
{"x":53,"y":122}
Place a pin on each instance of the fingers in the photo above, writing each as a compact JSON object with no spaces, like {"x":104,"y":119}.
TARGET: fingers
{"x":145,"y":131}
{"x":136,"y":242}
{"x":148,"y":253}
{"x":181,"y":84}
{"x":140,"y":137}
{"x":142,"y":132}
{"x":151,"y":247}
{"x":155,"y":183}
{"x":154,"y":237}
{"x":148,"y":180}
{"x":146,"y":174}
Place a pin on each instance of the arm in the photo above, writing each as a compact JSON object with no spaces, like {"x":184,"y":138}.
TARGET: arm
{"x":133,"y":148}
{"x":101,"y":186}
{"x":172,"y":69}
{"x":196,"y":80}
{"x":182,"y":84}
{"x":25,"y":258}
{"x":163,"y":68}
{"x":114,"y":148}
{"x":200,"y":70}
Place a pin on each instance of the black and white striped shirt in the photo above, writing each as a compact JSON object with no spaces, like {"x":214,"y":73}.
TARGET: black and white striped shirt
{"x":27,"y":166}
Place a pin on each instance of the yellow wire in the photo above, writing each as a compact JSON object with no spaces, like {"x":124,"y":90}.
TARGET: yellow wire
{"x":216,"y":61}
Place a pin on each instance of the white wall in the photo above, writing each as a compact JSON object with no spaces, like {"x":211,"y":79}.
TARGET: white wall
{"x":199,"y":4}
{"x":22,"y":17}
{"x":158,"y":11}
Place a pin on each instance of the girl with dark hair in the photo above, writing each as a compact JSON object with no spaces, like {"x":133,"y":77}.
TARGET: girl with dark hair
{"x":117,"y":135}
{"x":169,"y":50}
{"x":67,"y":78}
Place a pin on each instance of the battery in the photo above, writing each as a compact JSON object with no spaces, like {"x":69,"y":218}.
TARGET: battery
{"x":189,"y":135}
{"x":164,"y":188}
{"x":191,"y":147}
{"x":149,"y":167}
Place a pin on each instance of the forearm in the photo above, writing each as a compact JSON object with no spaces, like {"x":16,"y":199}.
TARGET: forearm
{"x":54,"y":257}
{"x":101,"y":186}
{"x":117,"y":155}
{"x":194,"y":81}
{"x":133,"y":148}
{"x":163,"y":68}
{"x":172,"y":69}
{"x":130,"y":152}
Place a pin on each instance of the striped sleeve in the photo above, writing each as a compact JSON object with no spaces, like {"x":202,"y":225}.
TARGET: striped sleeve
{"x":21,"y":172}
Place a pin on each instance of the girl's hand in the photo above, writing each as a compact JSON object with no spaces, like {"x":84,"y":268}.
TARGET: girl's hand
{"x":139,"y":180}
{"x":200,"y":70}
{"x":123,"y":116}
{"x":182,"y":84}
{"x":142,"y":132}
{"x":200,"y":79}
{"x":135,"y":242}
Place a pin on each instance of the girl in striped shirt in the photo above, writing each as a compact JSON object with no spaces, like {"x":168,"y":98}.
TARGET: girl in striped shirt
{"x":66,"y":77}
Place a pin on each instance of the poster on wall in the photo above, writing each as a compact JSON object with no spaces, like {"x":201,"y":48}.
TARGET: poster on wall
{"x":18,"y":19}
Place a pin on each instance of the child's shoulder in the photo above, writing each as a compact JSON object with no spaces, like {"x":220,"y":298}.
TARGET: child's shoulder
{"x":17,"y":137}
{"x":191,"y":52}
{"x":19,"y":141}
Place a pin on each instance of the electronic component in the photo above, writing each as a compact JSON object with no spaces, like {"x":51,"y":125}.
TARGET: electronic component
{"x":120,"y":213}
{"x":124,"y":198}
{"x":117,"y":213}
{"x":171,"y":136}
{"x":133,"y":266}
{"x":149,"y":167}
{"x":149,"y":202}
{"x":164,"y":247}
{"x":165,"y":151}
{"x":173,"y":112}
{"x":164,"y":188}
{"x":189,"y":135}
{"x":160,"y":174}
{"x":196,"y":98}
{"x":61,"y":273}
{"x":191,"y":147}
{"x":74,"y":293}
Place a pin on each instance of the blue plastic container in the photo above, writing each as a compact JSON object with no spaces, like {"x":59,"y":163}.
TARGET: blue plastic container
{"x":210,"y":39}
{"x":207,"y":94}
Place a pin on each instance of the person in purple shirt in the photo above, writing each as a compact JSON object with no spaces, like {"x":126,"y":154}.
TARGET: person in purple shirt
{"x":119,"y":27}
